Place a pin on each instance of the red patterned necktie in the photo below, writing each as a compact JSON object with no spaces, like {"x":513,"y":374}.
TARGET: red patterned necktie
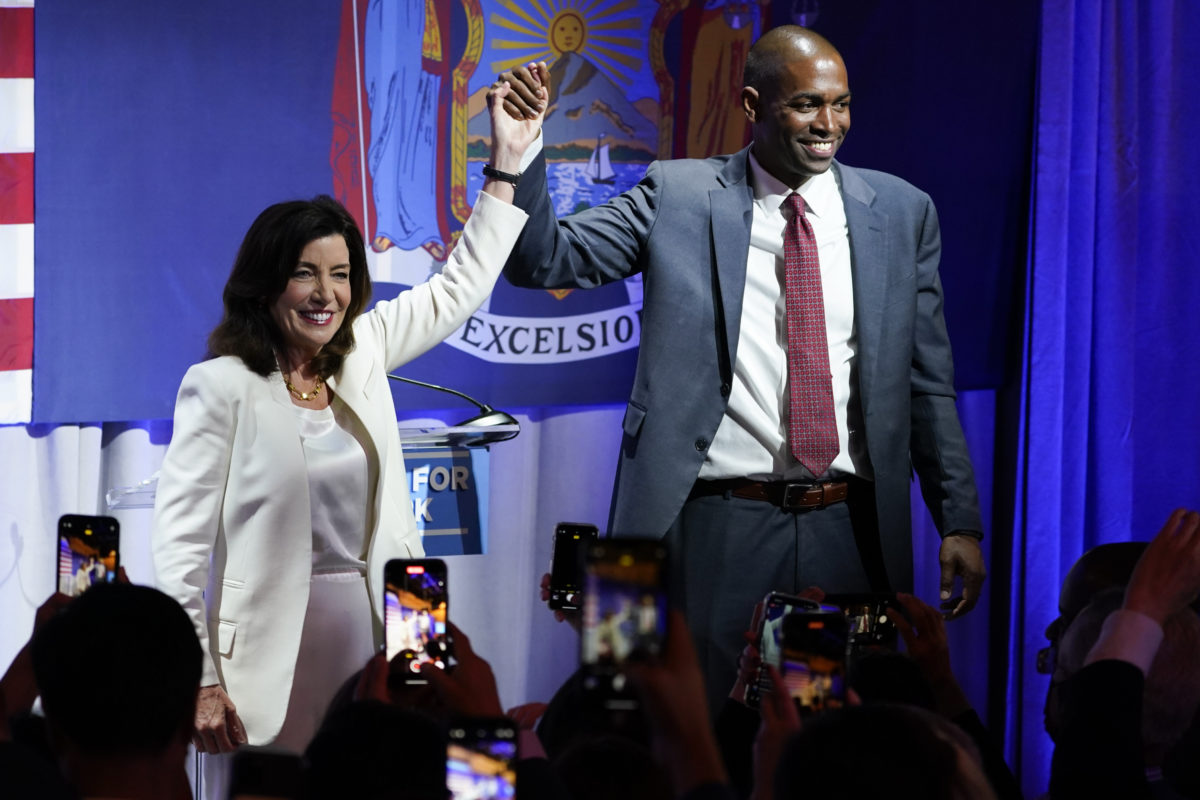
{"x":812,"y":429}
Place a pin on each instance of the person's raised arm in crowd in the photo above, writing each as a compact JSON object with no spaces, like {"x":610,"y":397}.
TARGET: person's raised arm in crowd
{"x":924,"y":633}
{"x":1100,"y":744}
{"x":672,"y":691}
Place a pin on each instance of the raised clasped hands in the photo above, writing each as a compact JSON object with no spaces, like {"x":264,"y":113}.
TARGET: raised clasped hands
{"x":517,"y":102}
{"x":530,"y":90}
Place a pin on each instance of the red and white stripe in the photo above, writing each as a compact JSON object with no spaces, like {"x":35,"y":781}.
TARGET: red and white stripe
{"x":16,"y":211}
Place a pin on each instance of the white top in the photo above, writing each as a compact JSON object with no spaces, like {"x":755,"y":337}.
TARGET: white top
{"x":340,"y":485}
{"x":751,"y":441}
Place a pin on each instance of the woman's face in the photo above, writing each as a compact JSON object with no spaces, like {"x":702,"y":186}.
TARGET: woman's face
{"x":313,"y":304}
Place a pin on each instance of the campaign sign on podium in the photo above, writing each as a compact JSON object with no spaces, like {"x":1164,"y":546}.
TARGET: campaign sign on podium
{"x":449,"y":489}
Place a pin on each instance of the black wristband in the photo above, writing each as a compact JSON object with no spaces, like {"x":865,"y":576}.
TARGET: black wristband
{"x":507,"y":177}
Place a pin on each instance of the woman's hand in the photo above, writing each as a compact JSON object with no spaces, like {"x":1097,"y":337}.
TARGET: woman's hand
{"x":218,"y":727}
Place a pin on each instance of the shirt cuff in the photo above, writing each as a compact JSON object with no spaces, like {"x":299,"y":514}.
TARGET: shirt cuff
{"x":1127,"y":636}
{"x":531,"y":152}
{"x":489,"y":207}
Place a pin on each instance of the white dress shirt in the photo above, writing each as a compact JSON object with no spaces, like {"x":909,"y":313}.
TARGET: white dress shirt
{"x":751,"y":440}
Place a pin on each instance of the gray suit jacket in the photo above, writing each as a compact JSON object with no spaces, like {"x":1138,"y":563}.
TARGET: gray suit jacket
{"x":686,"y":228}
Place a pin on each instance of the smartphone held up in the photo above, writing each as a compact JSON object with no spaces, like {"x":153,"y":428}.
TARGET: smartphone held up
{"x":571,"y":540}
{"x":624,"y":607}
{"x":812,"y":661}
{"x":88,"y":552}
{"x":415,"y":605}
{"x":481,"y":756}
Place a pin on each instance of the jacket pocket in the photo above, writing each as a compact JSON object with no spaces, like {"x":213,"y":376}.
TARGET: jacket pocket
{"x":226,"y":631}
{"x":634,"y":415}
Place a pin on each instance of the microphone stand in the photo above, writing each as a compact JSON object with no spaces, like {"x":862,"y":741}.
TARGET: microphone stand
{"x":486,"y":418}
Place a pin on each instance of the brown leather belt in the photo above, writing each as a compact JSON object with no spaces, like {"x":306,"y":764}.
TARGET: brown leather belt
{"x":788,"y":496}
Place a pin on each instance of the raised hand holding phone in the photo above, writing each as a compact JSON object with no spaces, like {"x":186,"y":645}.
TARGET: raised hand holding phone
{"x":88,"y":552}
{"x":416,"y":602}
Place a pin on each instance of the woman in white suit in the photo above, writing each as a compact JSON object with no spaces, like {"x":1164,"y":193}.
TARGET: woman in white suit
{"x":283,"y":492}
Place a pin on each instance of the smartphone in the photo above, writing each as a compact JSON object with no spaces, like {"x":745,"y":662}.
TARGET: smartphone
{"x":776,"y":606}
{"x":812,"y":662}
{"x":869,"y":621}
{"x":481,"y":756}
{"x":571,"y":540}
{"x":415,"y":605}
{"x":624,"y":608}
{"x":88,"y":552}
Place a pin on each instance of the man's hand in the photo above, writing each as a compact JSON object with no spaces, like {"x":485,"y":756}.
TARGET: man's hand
{"x":218,"y":727}
{"x":525,"y":101}
{"x":960,"y":556}
{"x":1167,"y":576}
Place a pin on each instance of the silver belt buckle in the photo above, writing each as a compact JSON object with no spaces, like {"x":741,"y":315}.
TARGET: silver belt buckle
{"x":793,"y":496}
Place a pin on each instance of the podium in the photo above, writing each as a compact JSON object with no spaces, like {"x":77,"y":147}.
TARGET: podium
{"x":448,"y":480}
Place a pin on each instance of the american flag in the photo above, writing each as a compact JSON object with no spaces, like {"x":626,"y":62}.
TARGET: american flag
{"x":16,"y":210}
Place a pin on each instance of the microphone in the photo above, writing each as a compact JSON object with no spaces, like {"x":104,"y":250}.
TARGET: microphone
{"x":487,"y":417}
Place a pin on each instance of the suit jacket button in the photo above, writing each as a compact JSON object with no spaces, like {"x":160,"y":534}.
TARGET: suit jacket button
{"x":702,"y":444}
{"x":724,"y":390}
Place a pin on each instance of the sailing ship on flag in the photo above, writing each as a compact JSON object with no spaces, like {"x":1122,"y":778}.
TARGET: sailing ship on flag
{"x":599,"y":167}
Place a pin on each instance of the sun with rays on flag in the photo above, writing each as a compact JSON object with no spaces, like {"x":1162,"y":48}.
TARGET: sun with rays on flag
{"x":607,"y":33}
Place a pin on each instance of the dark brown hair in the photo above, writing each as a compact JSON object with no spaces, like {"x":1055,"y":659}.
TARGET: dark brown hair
{"x":264,"y":264}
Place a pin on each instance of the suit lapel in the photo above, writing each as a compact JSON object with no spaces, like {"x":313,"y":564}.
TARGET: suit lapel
{"x":869,"y":259}
{"x":731,"y":215}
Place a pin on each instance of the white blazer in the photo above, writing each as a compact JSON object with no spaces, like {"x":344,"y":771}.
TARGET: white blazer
{"x":232,"y":539}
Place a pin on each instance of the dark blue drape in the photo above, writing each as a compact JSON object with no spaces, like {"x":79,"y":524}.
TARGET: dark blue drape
{"x":1111,"y":390}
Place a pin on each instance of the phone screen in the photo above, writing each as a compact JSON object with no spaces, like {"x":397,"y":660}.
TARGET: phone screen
{"x":571,"y":540}
{"x":624,"y":604}
{"x":88,"y":552}
{"x":776,"y":606}
{"x":870,"y":625}
{"x":480,"y":759}
{"x":415,"y":604}
{"x":813,"y":659}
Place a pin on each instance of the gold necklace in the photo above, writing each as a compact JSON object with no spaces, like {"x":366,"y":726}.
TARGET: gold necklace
{"x":304,"y":396}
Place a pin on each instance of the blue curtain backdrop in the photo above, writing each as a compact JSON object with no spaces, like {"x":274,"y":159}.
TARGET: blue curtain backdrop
{"x":1111,"y":391}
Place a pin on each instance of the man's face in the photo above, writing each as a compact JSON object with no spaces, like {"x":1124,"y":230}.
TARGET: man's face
{"x":800,"y":121}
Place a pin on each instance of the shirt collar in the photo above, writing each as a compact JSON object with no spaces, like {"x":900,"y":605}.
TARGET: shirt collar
{"x":820,"y":191}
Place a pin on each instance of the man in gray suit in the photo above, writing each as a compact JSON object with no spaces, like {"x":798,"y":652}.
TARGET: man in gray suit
{"x":709,"y":458}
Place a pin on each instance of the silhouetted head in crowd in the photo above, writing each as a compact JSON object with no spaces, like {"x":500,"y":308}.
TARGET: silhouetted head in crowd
{"x":885,"y":676}
{"x":373,"y":751}
{"x":1172,"y":691}
{"x":607,"y":766}
{"x":576,"y":714}
{"x":871,"y":751}
{"x":1100,"y":569}
{"x":118,"y":671}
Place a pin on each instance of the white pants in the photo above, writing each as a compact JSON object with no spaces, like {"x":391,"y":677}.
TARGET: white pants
{"x":337,"y":641}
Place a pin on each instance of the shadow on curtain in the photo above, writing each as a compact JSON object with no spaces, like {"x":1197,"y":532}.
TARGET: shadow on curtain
{"x":1110,"y":423}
